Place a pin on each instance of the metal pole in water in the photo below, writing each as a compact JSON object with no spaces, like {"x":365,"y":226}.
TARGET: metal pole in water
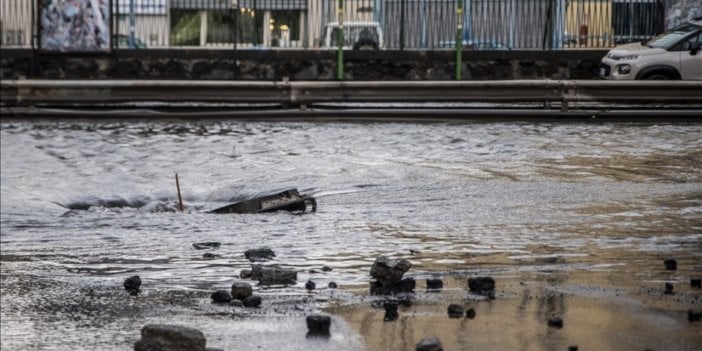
{"x":180,"y":199}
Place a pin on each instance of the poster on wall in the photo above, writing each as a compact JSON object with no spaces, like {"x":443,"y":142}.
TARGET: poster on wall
{"x":74,"y":26}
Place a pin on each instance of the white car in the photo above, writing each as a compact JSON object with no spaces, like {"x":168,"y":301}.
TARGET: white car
{"x":675,"y":54}
{"x":358,"y":35}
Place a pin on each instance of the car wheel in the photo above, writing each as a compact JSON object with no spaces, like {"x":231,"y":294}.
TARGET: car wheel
{"x":657,"y":76}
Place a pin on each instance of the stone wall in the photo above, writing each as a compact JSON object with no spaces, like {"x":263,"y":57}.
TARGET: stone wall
{"x":302,"y":65}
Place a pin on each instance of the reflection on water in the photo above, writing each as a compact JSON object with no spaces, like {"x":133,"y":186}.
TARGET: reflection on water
{"x":571,"y":219}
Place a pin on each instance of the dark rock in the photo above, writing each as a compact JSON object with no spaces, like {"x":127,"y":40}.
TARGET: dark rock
{"x":310,"y":285}
{"x":470,"y":313}
{"x":170,"y":338}
{"x":429,"y":344}
{"x":668,"y":289}
{"x":273,"y":275}
{"x":221,"y":296}
{"x":555,"y":322}
{"x":406,"y":285}
{"x":332,"y":285}
{"x":670,"y":264}
{"x":388,"y":271}
{"x":252,"y":301}
{"x":694,"y":315}
{"x":390,"y":311}
{"x":696,"y":283}
{"x":572,"y":348}
{"x":435,"y":284}
{"x":210,"y":256}
{"x":455,"y":311}
{"x":318,"y":325}
{"x":245,"y":274}
{"x":207,"y":245}
{"x":260,"y":254}
{"x":326,"y":269}
{"x":313,"y":271}
{"x":132,"y":284}
{"x":236,"y":303}
{"x":241,"y":290}
{"x":482,"y":286}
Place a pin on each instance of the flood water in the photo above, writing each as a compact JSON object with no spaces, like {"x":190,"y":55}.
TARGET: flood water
{"x":571,"y":219}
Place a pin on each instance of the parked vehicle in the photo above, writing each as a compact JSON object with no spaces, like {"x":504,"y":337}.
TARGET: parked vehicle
{"x":358,"y":35}
{"x":675,"y":54}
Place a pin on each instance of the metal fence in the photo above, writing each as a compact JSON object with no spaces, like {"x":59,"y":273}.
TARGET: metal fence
{"x":396,"y":24}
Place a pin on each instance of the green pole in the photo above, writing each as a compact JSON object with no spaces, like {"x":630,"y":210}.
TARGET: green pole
{"x":340,"y":42}
{"x":459,"y":39}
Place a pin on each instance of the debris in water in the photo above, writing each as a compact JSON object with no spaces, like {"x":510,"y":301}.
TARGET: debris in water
{"x":288,"y":200}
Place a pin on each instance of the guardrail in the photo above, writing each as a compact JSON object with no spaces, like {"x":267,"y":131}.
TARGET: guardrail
{"x":566,"y":94}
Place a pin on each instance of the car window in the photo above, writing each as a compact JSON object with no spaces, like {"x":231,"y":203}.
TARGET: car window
{"x":670,"y":39}
{"x":687,"y":44}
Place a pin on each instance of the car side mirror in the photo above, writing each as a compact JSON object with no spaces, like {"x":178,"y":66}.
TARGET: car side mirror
{"x":694,"y":48}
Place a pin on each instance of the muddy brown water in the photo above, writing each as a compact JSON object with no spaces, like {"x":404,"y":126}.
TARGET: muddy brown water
{"x":573,"y":220}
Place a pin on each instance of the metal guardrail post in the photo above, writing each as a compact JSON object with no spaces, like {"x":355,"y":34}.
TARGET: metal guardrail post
{"x":340,"y":42}
{"x":402,"y":24}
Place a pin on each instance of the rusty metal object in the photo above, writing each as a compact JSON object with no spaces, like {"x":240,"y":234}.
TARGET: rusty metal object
{"x":288,"y":200}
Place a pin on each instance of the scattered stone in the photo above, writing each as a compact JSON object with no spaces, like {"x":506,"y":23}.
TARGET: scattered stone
{"x":221,"y":296}
{"x":260,"y":254}
{"x":245,"y":274}
{"x":210,"y":256}
{"x":170,"y":338}
{"x":668,"y":289}
{"x":318,"y":325}
{"x":207,"y":245}
{"x":326,"y":269}
{"x":670,"y":264}
{"x":555,"y":322}
{"x":388,"y":271}
{"x":696,"y":283}
{"x":572,"y":348}
{"x":332,"y":285}
{"x":470,"y":313}
{"x":455,"y":311}
{"x":694,"y":315}
{"x":435,"y":284}
{"x":252,"y":301}
{"x":241,"y":290}
{"x":310,"y":285}
{"x":406,"y":285}
{"x":273,"y":275}
{"x":390,"y":311}
{"x":313,"y":271}
{"x":236,"y":303}
{"x":482,"y":286}
{"x":132,"y":285}
{"x":431,"y":343}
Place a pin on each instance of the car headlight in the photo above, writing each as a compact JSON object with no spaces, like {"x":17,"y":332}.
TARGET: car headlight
{"x":626,"y":58}
{"x":624,"y":69}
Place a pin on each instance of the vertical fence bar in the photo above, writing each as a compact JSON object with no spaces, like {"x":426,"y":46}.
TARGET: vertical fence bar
{"x":340,"y":42}
{"x":402,"y":24}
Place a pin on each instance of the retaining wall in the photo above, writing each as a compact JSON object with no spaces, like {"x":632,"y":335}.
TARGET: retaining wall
{"x":301,"y":65}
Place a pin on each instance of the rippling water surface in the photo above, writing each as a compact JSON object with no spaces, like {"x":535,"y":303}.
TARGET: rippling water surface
{"x":86,"y":204}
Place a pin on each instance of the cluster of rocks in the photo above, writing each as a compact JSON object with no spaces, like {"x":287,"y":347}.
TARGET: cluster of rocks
{"x":693,"y":315}
{"x":389,"y":277}
{"x":167,"y":337}
{"x":241,"y":294}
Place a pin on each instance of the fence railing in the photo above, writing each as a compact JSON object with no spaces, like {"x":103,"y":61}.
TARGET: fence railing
{"x":392,"y":24}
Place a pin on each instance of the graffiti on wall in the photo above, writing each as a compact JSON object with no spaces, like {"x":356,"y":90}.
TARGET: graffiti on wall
{"x":681,"y":11}
{"x":74,"y":25}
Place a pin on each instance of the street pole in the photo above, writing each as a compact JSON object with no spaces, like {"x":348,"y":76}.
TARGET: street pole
{"x":340,"y":43}
{"x":459,"y":39}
